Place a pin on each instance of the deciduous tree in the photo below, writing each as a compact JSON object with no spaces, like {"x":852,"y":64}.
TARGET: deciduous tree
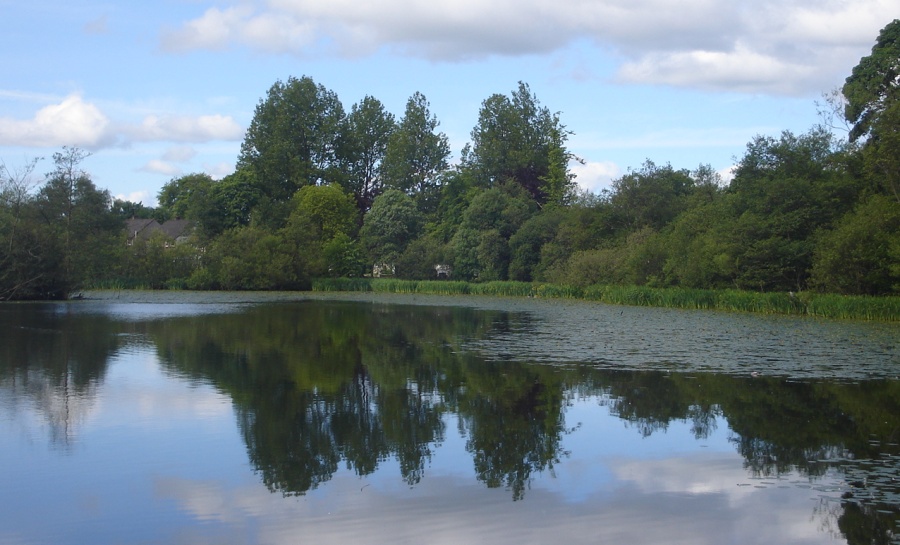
{"x":293,"y":137}
{"x":389,"y":227}
{"x":874,"y":84}
{"x":519,"y":141}
{"x":366,"y":134}
{"x":416,"y":154}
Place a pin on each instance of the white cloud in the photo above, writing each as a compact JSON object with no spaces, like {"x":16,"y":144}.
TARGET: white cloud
{"x":219,"y":170}
{"x":595,"y":176}
{"x":179,"y":154}
{"x":727,"y":174}
{"x":202,"y":128}
{"x":759,"y":46}
{"x":695,"y":501}
{"x":218,"y":29}
{"x":72,"y":122}
{"x":135,"y":196}
{"x":741,"y":70}
{"x":157,"y":166}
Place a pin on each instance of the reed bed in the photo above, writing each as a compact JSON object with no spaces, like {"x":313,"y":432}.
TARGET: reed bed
{"x":117,"y":284}
{"x":886,"y":309}
{"x":803,"y":304}
{"x":342,"y":284}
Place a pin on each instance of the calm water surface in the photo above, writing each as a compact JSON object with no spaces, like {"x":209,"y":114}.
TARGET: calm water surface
{"x":289,"y":418}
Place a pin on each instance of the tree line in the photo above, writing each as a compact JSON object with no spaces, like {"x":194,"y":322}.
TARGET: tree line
{"x":320,"y":191}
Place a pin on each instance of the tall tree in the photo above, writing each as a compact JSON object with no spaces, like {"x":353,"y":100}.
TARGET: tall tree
{"x":518,"y":140}
{"x":80,"y":217}
{"x":416,"y":155}
{"x":872,"y":95}
{"x":320,"y":229}
{"x":874,"y":84}
{"x":186,"y":197}
{"x":293,"y":137}
{"x":650,"y":197}
{"x":366,"y":134}
{"x":784,"y":190}
{"x":26,"y":257}
{"x":862,"y":254}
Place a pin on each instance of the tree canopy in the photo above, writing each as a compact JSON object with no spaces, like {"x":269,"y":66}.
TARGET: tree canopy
{"x":320,"y":192}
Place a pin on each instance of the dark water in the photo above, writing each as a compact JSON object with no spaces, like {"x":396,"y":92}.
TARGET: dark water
{"x":272,"y":418}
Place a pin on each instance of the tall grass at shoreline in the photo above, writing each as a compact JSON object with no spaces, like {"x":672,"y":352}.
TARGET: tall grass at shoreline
{"x":819,"y":305}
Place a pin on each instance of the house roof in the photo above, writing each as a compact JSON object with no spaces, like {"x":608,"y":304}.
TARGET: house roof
{"x":176,"y":228}
{"x":144,"y":228}
{"x":141,"y":228}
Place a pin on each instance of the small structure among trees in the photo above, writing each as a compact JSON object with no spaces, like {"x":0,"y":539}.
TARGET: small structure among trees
{"x":142,"y":229}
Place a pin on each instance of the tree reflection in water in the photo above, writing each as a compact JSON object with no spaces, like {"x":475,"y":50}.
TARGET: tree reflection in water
{"x":319,"y":385}
{"x":55,"y":360}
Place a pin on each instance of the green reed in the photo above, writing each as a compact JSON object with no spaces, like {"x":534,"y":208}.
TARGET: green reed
{"x":803,"y":303}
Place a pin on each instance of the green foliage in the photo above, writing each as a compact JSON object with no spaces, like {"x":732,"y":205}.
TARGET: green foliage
{"x":481,"y":244}
{"x":873,"y":85}
{"x":650,"y":197}
{"x":213,"y":206}
{"x":503,"y":289}
{"x":320,"y":194}
{"x":464,"y":248}
{"x":811,"y":304}
{"x":700,"y":252}
{"x":784,"y":191}
{"x":518,"y":141}
{"x":861,"y":254}
{"x":850,"y":307}
{"x":251,"y":258}
{"x":420,"y":258}
{"x":326,"y":209}
{"x":76,"y":219}
{"x":416,"y":155}
{"x":389,"y":227}
{"x":293,"y":138}
{"x":343,"y":256}
{"x":127,"y":210}
{"x":364,"y":144}
{"x":342,"y":284}
{"x":319,"y":232}
{"x":526,"y":243}
{"x":881,"y":153}
{"x":234,"y":199}
{"x":154,"y":263}
{"x":493,"y":256}
{"x":187,"y":197}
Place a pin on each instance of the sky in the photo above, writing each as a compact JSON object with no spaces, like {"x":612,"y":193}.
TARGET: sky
{"x":156,"y":90}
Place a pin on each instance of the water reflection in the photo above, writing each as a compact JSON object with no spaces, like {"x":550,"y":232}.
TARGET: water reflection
{"x":53,"y":361}
{"x":317,"y":385}
{"x":334,"y":392}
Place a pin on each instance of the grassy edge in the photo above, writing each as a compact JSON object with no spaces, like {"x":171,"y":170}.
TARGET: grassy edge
{"x":820,"y":305}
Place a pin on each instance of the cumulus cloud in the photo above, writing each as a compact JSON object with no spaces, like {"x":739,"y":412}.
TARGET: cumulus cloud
{"x":742,"y":70}
{"x":76,"y":122}
{"x":179,"y":154}
{"x":169,"y":164}
{"x":202,"y":128}
{"x":135,"y":196}
{"x":157,"y":166}
{"x":758,"y":46}
{"x":727,"y":174}
{"x":595,"y":176}
{"x":218,"y":170}
{"x":71,"y":122}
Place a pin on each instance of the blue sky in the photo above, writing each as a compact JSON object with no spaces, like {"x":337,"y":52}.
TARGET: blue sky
{"x":159,"y":89}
